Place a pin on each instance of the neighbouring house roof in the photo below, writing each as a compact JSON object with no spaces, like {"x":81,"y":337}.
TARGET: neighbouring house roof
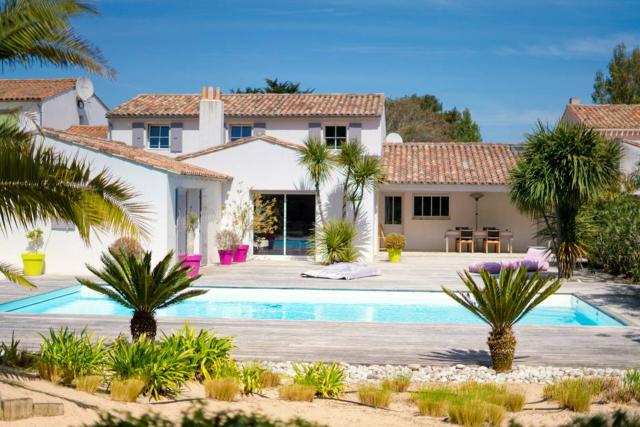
{"x":634,"y":142}
{"x":34,"y":89}
{"x":256,"y":105}
{"x":448,"y":163}
{"x":612,"y":120}
{"x":88,"y":130}
{"x":137,"y":155}
{"x":241,"y":141}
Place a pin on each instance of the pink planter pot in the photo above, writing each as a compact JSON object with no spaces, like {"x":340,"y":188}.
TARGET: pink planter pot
{"x":240,"y":254}
{"x":226,"y":256}
{"x":191,"y":261}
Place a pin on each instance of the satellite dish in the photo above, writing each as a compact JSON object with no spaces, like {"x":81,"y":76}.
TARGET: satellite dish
{"x":394,"y":137}
{"x":84,"y":88}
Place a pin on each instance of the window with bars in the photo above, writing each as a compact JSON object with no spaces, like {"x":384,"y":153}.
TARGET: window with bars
{"x":158,"y":136}
{"x":430,"y":206}
{"x":335,"y":136}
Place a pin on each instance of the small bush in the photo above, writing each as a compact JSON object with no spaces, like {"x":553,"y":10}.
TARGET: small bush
{"x":11,"y":355}
{"x":225,"y":389}
{"x":631,"y":383}
{"x":334,"y":242}
{"x":297,"y":392}
{"x":225,"y":368}
{"x":270,"y":379}
{"x":378,"y":397}
{"x":251,"y":377}
{"x":88,"y":383}
{"x":127,"y":390}
{"x":468,"y":413}
{"x":574,"y":394}
{"x":394,"y":241}
{"x":399,"y":384}
{"x":328,"y":380}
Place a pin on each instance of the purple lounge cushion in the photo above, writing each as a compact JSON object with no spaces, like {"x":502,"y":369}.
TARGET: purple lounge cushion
{"x":490,"y":267}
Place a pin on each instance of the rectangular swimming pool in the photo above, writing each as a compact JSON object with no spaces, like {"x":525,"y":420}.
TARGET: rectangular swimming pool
{"x":313,"y":304}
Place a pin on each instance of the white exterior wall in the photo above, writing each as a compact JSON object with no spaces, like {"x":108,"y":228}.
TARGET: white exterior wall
{"x":96,"y":111}
{"x":66,"y":253}
{"x":494,"y":210}
{"x":60,"y":111}
{"x":29,"y":112}
{"x":630,"y":158}
{"x":121,"y":130}
{"x":265,"y":167}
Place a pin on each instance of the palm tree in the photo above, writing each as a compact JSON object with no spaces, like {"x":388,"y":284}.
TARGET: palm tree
{"x":367,"y":173}
{"x":133,"y":284}
{"x":501,"y":303}
{"x":316,"y":157}
{"x":36,"y":183}
{"x":562,"y":169}
{"x":350,"y":153}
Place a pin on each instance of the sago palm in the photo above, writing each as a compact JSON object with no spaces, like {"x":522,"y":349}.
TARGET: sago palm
{"x":562,"y":169}
{"x":132,"y":283}
{"x":316,"y":157}
{"x":501,"y":302}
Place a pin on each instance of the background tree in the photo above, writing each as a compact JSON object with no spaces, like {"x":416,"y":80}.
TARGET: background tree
{"x":622,"y":84}
{"x":422,"y":119}
{"x":562,"y":169}
{"x":275,"y":86}
{"x":36,"y":183}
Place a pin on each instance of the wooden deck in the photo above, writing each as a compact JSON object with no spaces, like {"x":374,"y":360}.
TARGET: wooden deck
{"x":375,"y":343}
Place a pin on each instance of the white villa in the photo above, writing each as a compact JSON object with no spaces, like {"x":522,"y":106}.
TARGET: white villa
{"x":189,"y":153}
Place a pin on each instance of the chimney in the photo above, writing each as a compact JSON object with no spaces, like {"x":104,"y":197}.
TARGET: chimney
{"x":211,"y":122}
{"x":574,"y":100}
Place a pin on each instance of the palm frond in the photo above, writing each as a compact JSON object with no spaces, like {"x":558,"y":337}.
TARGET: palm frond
{"x":13,"y":275}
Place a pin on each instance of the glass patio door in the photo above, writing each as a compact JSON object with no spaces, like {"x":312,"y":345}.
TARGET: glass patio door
{"x":295,"y":215}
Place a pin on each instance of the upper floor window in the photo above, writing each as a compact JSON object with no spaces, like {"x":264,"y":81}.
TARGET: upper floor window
{"x":240,"y":131}
{"x":430,"y":206}
{"x":158,"y":136}
{"x":335,"y":136}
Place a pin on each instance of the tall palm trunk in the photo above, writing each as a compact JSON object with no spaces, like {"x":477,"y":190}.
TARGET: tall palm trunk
{"x":502,"y":346}
{"x":567,"y":247}
{"x":319,"y":204}
{"x":143,"y":323}
{"x":345,"y":192}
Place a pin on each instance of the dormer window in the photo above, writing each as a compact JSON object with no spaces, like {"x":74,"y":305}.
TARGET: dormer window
{"x":158,"y":136}
{"x":335,"y":136}
{"x":240,"y":131}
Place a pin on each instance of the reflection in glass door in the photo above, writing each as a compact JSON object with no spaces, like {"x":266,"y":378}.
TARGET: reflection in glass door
{"x":295,"y":215}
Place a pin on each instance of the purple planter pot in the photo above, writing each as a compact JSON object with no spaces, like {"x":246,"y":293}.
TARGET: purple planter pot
{"x":226,"y":256}
{"x":240,"y":254}
{"x":191,"y":261}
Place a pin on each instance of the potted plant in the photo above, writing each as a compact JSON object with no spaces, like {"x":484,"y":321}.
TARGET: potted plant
{"x":265,"y":221}
{"x":227,"y":240}
{"x":190,"y":259}
{"x":241,"y":215}
{"x":394,"y":243}
{"x":33,"y":260}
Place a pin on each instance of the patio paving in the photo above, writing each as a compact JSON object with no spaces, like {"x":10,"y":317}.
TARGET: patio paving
{"x":378,"y":343}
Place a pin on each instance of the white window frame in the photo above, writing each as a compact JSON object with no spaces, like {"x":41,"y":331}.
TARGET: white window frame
{"x":384,"y":209}
{"x":334,"y":138}
{"x":429,"y":217}
{"x":164,"y":125}
{"x":239,"y":125}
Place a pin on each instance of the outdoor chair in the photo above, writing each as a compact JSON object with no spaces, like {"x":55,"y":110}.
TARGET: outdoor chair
{"x":465,"y":239}
{"x":492,"y":239}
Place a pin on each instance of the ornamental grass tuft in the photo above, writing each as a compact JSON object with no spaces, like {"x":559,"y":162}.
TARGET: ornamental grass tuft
{"x":127,"y":390}
{"x":225,"y":389}
{"x":378,"y":397}
{"x":399,"y":384}
{"x":88,"y":383}
{"x":297,"y":392}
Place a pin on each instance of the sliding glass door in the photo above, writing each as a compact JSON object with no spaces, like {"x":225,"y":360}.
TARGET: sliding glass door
{"x":295,"y":219}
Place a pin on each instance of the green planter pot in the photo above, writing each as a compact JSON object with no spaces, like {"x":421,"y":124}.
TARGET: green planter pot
{"x":33,"y":264}
{"x":394,"y":255}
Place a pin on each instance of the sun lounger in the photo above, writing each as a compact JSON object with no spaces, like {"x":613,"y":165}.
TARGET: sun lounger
{"x":343,"y":271}
{"x":536,"y":259}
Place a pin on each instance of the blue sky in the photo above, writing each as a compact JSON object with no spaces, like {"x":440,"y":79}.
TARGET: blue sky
{"x":510,"y":62}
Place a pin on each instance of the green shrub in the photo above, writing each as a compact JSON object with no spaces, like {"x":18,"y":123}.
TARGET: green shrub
{"x":11,"y":355}
{"x":328,"y":380}
{"x":225,"y":389}
{"x":398,"y":384}
{"x":225,"y":368}
{"x":574,"y":394}
{"x":468,"y":413}
{"x":251,"y":377}
{"x":378,"y":397}
{"x":614,"y":243}
{"x":205,"y":347}
{"x":66,"y":354}
{"x":297,"y":392}
{"x":334,"y":242}
{"x":270,"y":379}
{"x":88,"y":383}
{"x":394,"y":241}
{"x":127,"y":390}
{"x":631,"y":382}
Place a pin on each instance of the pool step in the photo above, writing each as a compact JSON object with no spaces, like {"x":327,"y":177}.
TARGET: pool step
{"x":21,"y":408}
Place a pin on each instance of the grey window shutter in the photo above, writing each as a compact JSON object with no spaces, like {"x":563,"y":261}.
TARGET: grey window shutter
{"x":138,"y":135}
{"x":204,"y":224}
{"x":315,"y":130}
{"x":193,"y":208}
{"x":355,"y":132}
{"x":176,"y":138}
{"x":181,"y":220}
{"x":259,"y":129}
{"x":59,"y":225}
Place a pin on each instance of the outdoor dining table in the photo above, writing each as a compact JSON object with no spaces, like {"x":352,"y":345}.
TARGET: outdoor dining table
{"x":478,"y":235}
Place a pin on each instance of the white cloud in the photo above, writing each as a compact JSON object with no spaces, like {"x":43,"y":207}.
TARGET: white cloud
{"x":582,"y":47}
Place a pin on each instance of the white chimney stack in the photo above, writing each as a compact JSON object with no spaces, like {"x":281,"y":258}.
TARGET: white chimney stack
{"x":211,"y":123}
{"x":574,"y":100}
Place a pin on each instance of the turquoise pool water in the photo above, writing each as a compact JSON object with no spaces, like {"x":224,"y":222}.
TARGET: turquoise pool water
{"x":312,"y":304}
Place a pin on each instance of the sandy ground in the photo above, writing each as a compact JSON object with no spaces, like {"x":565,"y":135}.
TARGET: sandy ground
{"x":82,"y":408}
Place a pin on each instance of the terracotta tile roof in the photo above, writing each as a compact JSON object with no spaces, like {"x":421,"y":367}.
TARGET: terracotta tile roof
{"x":256,"y":105}
{"x":97,"y":131}
{"x":137,"y":155}
{"x":448,"y":163}
{"x":241,"y":141}
{"x":615,"y":117}
{"x":34,"y":89}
